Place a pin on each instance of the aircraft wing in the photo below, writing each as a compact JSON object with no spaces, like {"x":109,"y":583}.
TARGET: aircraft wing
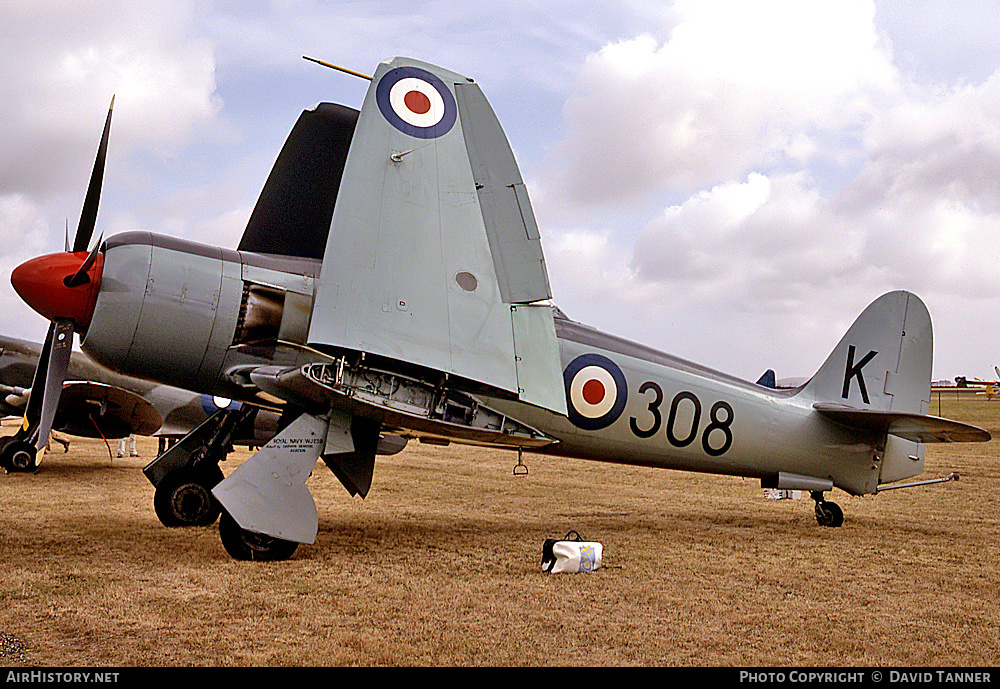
{"x":406,"y":406}
{"x":97,"y":403}
{"x":433,"y":257}
{"x":433,"y":295}
{"x":919,"y":428}
{"x":91,"y":410}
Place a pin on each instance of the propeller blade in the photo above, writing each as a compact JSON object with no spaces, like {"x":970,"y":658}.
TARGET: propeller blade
{"x":33,"y":409}
{"x":80,"y":277}
{"x":88,"y":217}
{"x":47,"y":384}
{"x":55,"y":376}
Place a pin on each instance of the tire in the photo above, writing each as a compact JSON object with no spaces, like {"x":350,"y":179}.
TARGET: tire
{"x":185,"y":498}
{"x":19,"y":456}
{"x":247,"y":545}
{"x":829,"y":514}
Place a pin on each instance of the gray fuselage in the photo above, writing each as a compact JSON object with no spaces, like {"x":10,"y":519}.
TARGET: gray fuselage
{"x":194,"y":316}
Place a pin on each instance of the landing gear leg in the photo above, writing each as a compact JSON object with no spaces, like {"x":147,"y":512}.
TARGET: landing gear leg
{"x":827,"y":513}
{"x":185,"y":474}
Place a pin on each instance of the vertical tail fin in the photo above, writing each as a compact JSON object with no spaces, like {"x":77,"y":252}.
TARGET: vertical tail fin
{"x":878,"y":379}
{"x":883,"y":363}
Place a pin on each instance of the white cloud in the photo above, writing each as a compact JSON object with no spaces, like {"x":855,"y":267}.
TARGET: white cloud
{"x":62,"y":64}
{"x":25,"y":234}
{"x":721,"y":165}
{"x":732,"y":86}
{"x":808,"y":174}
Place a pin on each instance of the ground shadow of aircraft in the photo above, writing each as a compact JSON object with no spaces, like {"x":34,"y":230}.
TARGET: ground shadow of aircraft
{"x":391,"y":283}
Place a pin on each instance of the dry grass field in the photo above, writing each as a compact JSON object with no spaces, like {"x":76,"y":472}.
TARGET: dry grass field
{"x":439,"y":566}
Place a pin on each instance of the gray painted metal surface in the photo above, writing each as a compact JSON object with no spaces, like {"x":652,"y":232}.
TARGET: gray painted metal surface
{"x":414,"y":326}
{"x":515,"y":243}
{"x":411,"y":270}
{"x":97,"y":402}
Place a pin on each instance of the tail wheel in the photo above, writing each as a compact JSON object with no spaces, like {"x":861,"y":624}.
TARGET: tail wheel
{"x":247,"y":545}
{"x":829,"y":514}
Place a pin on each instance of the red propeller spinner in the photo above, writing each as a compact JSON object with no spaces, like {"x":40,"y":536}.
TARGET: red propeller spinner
{"x":61,"y":286}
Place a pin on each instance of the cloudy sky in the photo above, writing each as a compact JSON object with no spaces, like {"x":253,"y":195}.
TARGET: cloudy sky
{"x":730,"y":181}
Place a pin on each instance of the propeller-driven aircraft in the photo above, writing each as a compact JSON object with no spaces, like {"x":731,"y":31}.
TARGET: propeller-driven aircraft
{"x":97,"y":403}
{"x":391,"y":284}
{"x":994,"y":391}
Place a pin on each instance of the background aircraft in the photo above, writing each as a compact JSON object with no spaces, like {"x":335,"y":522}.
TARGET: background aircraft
{"x":994,"y":391}
{"x":98,"y":403}
{"x":414,"y":303}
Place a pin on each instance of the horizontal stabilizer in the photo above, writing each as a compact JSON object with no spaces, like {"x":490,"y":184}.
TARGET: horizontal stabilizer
{"x":919,"y":428}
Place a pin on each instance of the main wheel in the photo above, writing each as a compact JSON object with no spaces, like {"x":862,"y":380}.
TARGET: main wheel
{"x":19,"y":456}
{"x":829,"y":514}
{"x":185,"y":498}
{"x":247,"y":545}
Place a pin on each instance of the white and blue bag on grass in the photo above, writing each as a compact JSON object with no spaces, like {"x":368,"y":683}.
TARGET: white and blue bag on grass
{"x":571,"y":554}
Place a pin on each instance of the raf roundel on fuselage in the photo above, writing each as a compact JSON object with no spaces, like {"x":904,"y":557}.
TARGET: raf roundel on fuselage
{"x":416,"y":102}
{"x":596,"y":391}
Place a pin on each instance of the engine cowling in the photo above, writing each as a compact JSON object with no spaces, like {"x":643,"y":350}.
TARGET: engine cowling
{"x":176,"y":311}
